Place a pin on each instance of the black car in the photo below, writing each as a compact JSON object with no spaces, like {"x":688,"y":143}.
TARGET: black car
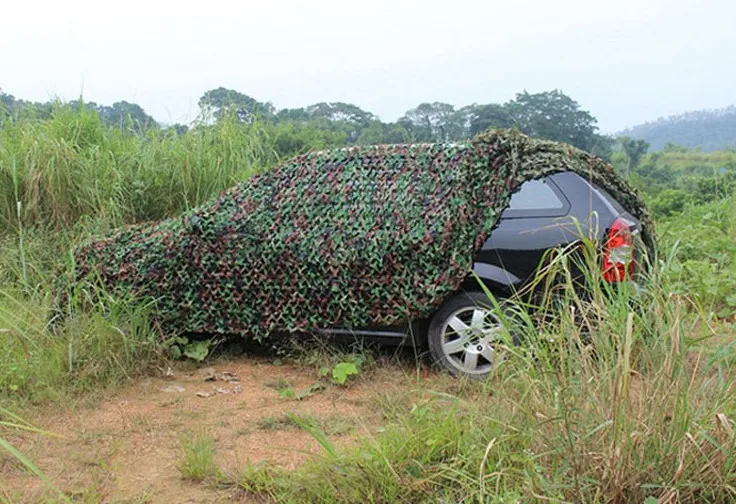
{"x":543,"y":214}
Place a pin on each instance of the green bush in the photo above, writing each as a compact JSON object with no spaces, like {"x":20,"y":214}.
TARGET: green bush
{"x":669,"y":202}
{"x":704,"y":238}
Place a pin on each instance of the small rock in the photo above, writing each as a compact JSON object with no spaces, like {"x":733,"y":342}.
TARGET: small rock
{"x":221,"y":390}
{"x":237,"y":389}
{"x":209,"y":373}
{"x":204,"y":394}
{"x":173,"y":388}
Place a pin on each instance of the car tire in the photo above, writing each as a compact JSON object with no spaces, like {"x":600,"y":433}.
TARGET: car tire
{"x":464,"y":335}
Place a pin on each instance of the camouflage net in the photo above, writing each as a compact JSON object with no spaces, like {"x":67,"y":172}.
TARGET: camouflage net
{"x":357,"y":237}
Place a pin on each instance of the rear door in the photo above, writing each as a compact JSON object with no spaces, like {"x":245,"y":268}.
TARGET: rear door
{"x":534,"y":222}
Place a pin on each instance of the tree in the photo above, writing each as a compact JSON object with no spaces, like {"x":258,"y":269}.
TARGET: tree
{"x":10,"y":105}
{"x":492,"y":115}
{"x":395,"y":133}
{"x":433,"y":122}
{"x":602,"y":146}
{"x":218,"y":103}
{"x":554,"y":116}
{"x":673,"y":147}
{"x":372,"y":135}
{"x":292,"y":138}
{"x":296,"y":114}
{"x":634,"y":150}
{"x":180,"y":129}
{"x":7,"y":101}
{"x":344,"y":117}
{"x":123,"y":112}
{"x":340,"y":112}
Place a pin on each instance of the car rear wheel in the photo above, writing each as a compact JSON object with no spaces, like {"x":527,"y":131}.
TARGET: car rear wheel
{"x":465,"y":336}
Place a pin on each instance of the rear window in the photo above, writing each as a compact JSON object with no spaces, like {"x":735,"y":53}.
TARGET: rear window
{"x":537,"y":198}
{"x":535,"y":195}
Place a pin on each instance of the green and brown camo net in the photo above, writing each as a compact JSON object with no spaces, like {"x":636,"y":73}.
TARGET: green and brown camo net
{"x":356,"y":237}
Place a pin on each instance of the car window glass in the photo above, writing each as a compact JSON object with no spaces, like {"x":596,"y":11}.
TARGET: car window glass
{"x":534,"y":195}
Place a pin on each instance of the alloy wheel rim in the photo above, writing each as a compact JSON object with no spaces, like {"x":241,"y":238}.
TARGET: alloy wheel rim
{"x":470,"y":340}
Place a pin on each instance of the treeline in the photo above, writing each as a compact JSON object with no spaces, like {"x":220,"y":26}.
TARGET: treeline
{"x":709,"y":130}
{"x":62,"y":162}
{"x":551,"y":115}
{"x":120,"y":113}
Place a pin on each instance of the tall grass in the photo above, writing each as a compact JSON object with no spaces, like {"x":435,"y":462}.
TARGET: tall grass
{"x":93,"y":350}
{"x":69,"y":176}
{"x":102,"y":345}
{"x":65,"y":177}
{"x":615,"y":397}
{"x":72,"y":166}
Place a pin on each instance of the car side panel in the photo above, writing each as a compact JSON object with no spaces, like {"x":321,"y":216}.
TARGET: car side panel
{"x":516,"y":246}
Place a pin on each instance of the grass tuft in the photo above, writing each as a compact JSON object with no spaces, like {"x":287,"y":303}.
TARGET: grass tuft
{"x":198,"y":462}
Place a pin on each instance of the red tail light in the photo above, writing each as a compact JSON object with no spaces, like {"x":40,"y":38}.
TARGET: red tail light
{"x":618,"y":256}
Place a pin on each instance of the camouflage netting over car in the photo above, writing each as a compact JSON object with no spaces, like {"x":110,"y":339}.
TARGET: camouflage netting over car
{"x":354,"y":237}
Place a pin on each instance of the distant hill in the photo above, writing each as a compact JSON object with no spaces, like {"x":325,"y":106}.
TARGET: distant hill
{"x":706,"y":129}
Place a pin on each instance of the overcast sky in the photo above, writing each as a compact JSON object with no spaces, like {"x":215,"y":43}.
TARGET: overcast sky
{"x":626,"y":61}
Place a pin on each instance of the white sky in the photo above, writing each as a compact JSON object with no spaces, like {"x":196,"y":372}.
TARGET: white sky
{"x":627,"y":61}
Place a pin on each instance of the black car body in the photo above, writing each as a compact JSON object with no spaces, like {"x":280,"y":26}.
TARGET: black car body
{"x":544,"y":214}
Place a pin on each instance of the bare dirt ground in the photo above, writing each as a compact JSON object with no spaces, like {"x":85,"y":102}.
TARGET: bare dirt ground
{"x":128,"y":448}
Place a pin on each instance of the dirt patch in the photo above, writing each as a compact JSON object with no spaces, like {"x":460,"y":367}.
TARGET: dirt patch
{"x":128,"y":448}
